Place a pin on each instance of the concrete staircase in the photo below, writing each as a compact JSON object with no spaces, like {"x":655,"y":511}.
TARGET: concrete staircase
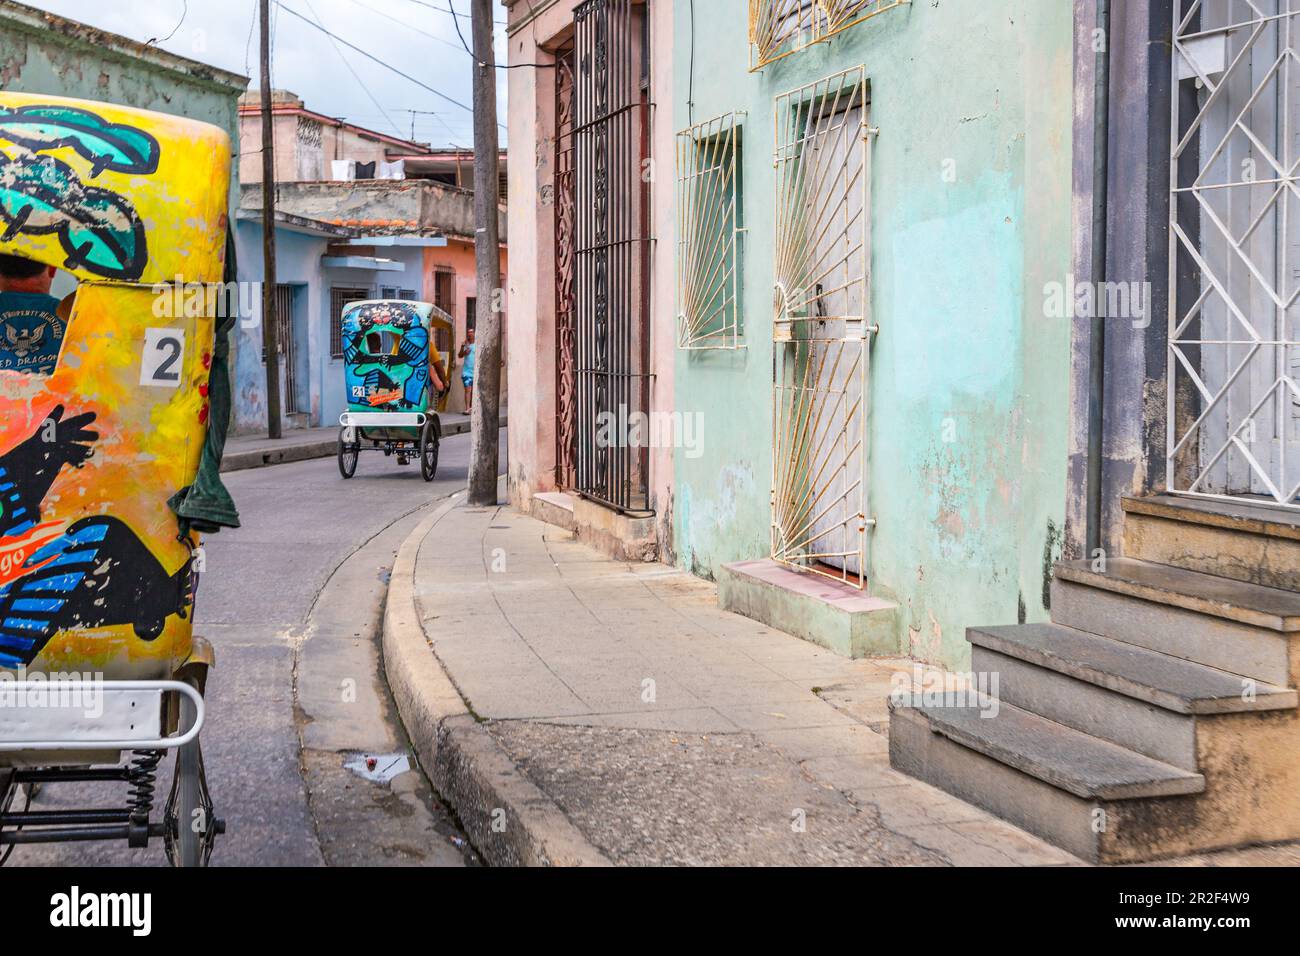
{"x":1156,"y":714}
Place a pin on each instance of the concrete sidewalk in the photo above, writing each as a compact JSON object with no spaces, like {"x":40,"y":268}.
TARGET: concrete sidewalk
{"x":576,"y":709}
{"x":301,"y":444}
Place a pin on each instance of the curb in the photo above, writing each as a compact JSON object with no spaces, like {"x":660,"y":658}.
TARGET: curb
{"x":243,"y":460}
{"x":508,"y":819}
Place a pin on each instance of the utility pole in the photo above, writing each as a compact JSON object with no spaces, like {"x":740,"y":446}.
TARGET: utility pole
{"x":485,"y":420}
{"x":270,"y":336}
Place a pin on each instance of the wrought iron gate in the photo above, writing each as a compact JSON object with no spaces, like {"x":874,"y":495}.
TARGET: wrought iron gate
{"x":611,"y":139}
{"x":821,"y":328}
{"x":566,"y":425}
{"x":1234,"y":324}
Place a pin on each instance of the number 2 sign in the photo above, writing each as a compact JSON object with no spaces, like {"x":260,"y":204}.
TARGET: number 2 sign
{"x":163,"y":358}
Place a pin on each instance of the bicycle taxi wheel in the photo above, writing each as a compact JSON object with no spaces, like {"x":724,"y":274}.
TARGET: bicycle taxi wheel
{"x":109,"y":461}
{"x":428,"y":450}
{"x":349,"y":450}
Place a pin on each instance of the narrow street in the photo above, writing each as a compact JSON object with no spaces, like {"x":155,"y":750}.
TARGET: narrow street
{"x":291,"y":602}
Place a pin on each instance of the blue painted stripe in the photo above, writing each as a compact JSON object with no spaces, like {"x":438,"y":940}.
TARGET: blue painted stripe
{"x":94,"y":532}
{"x":57,"y":583}
{"x":71,"y":557}
{"x":22,"y":643}
{"x":8,"y":660}
{"x":25,"y":624}
{"x":67,"y":544}
{"x":41,"y":605}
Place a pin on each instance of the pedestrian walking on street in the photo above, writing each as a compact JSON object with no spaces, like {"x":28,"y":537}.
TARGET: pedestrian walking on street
{"x":467,"y":352}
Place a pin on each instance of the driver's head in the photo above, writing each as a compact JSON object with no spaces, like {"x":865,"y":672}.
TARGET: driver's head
{"x":18,"y":274}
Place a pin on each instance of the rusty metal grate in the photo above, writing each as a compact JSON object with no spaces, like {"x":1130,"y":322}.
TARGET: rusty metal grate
{"x":566,"y":422}
{"x":778,"y":28}
{"x":611,"y":145}
{"x":709,"y":232}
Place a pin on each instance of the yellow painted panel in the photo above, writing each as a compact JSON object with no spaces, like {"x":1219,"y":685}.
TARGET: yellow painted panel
{"x":111,"y":193}
{"x":88,"y":458}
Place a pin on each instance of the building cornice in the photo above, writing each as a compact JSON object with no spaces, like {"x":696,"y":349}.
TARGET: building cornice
{"x":533,"y":10}
{"x":417,"y":149}
{"x":61,"y":30}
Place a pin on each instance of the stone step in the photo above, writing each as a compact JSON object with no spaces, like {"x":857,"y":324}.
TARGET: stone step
{"x":1137,"y":698}
{"x":1234,"y":626}
{"x":1170,"y":683}
{"x":1095,"y":799}
{"x":1079,"y":764}
{"x":555,"y":508}
{"x":1238,"y":540}
{"x":1264,"y":607}
{"x":1099,"y":831}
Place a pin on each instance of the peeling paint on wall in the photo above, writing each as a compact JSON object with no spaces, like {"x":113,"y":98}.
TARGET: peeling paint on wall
{"x":1051,"y":554}
{"x":970,"y":219}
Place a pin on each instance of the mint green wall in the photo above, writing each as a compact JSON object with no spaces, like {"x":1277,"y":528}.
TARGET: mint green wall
{"x":966,"y":528}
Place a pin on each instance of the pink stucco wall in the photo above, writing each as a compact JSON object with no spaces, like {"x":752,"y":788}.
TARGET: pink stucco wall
{"x":663,"y":291}
{"x":458,"y":257}
{"x":532,"y":35}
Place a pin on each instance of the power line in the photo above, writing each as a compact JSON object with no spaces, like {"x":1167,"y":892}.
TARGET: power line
{"x":185,"y":12}
{"x":371,"y":56}
{"x":499,"y":66}
{"x":443,"y":40}
{"x":452,"y":11}
{"x":355,"y":76}
{"x":248,"y":45}
{"x":414,"y":29}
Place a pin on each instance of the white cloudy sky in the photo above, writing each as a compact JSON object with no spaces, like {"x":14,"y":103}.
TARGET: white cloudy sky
{"x":417,"y":37}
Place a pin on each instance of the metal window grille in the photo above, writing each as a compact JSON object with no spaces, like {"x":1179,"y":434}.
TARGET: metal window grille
{"x":778,"y":28}
{"x":611,"y":133}
{"x":821,"y":330}
{"x":340,"y":296}
{"x":709,"y":230}
{"x":1233,"y":402}
{"x":566,"y":386}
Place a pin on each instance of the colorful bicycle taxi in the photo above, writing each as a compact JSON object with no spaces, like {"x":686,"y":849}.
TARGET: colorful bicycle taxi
{"x":388,"y":352}
{"x":109,"y":470}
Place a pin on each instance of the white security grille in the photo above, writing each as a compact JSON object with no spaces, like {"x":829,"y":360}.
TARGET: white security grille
{"x":778,"y":28}
{"x":1234,"y":326}
{"x":821,"y":328}
{"x":708,"y":234}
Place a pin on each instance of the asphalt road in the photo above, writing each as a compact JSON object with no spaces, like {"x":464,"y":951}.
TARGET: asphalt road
{"x":291,"y":602}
